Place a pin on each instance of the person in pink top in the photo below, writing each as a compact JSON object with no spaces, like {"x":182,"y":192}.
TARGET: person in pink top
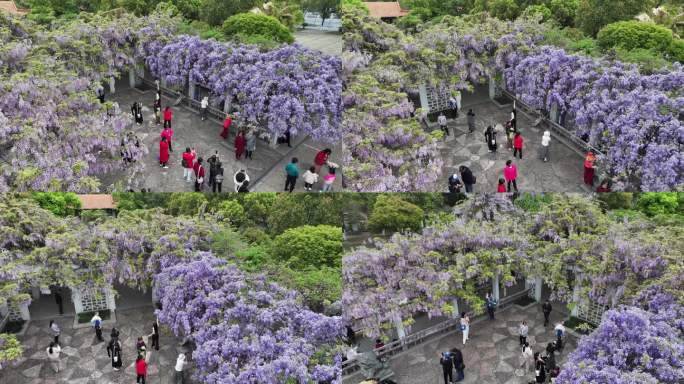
{"x":328,"y":180}
{"x":511,"y":174}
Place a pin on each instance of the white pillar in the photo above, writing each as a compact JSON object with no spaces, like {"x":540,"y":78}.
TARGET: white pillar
{"x":111,"y":302}
{"x":191,"y":89}
{"x":112,"y":85}
{"x":457,"y":312}
{"x":495,"y":287}
{"x":24,"y":312}
{"x":422,"y":89}
{"x":553,"y":114}
{"x":35,"y":293}
{"x":76,"y":299}
{"x":575,"y":300}
{"x":538,"y":288}
{"x":399,"y":325}
{"x":227,"y":105}
{"x":274,"y":140}
{"x":131,"y":77}
{"x":492,"y":87}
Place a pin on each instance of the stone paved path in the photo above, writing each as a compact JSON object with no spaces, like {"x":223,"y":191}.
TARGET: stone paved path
{"x":562,"y":173}
{"x":84,"y":360}
{"x":491,"y":354}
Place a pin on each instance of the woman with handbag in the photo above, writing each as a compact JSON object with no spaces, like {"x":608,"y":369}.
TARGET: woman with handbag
{"x":188,"y":162}
{"x":199,"y":175}
{"x":114,"y":352}
{"x":465,"y":326}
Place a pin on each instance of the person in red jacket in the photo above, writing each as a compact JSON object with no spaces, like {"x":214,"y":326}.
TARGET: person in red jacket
{"x":163,"y":153}
{"x":321,"y":159}
{"x":240,"y":143}
{"x":168,"y":115}
{"x":226,"y":127}
{"x":199,"y":175}
{"x":168,"y":134}
{"x":188,"y":163}
{"x":501,"y":188}
{"x":517,"y":144}
{"x":140,"y":369}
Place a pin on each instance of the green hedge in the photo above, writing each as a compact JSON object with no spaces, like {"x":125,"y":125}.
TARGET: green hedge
{"x":247,"y":26}
{"x":631,"y":35}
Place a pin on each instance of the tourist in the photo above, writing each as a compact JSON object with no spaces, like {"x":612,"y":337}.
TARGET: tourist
{"x":55,"y":331}
{"x":511,"y":175}
{"x":204,"y":105}
{"x":198,"y":169}
{"x":288,"y":137}
{"x":96,"y":323}
{"x":240,"y":178}
{"x":559,"y":329}
{"x":244,"y":187}
{"x":157,"y":109}
{"x":163,"y":153}
{"x":514,"y":118}
{"x":517,"y":145}
{"x":140,"y":346}
{"x":292,"y":172}
{"x":467,"y":177}
{"x":168,"y":116}
{"x":465,"y":326}
{"x":157,"y":85}
{"x":527,"y":356}
{"x":136,"y":110}
{"x":604,"y":187}
{"x":310,"y":178}
{"x":510,"y":132}
{"x":53,"y":356}
{"x":490,"y":137}
{"x":442,"y":121}
{"x":589,"y":168}
{"x":250,"y":139}
{"x":213,"y":161}
{"x":114,"y":334}
{"x":218,"y":178}
{"x":58,"y":300}
{"x":546,"y":140}
{"x":240,"y":144}
{"x":539,"y":368}
{"x":447,"y":367}
{"x":459,"y":365}
{"x":321,"y":159}
{"x":491,"y":305}
{"x":227,"y":122}
{"x":328,"y":180}
{"x":140,"y":369}
{"x":546,"y":309}
{"x":168,"y":134}
{"x":180,"y":365}
{"x":455,"y":184}
{"x":378,"y":344}
{"x":114,"y":351}
{"x":155,"y":336}
{"x":471,"y":121}
{"x":100,"y":92}
{"x":522,"y":332}
{"x":501,"y":188}
{"x":187,"y":161}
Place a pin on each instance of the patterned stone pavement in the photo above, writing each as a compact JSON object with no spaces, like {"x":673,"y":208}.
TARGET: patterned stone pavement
{"x":491,"y":354}
{"x":84,"y":360}
{"x":562,"y":173}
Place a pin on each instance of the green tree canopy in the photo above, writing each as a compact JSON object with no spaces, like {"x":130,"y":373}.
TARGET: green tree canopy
{"x":60,"y":204}
{"x":309,"y":246}
{"x":592,"y":15}
{"x":393,"y":214}
{"x":256,"y":26}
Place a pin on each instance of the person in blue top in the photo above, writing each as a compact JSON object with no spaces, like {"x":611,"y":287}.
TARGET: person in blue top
{"x":292,"y":171}
{"x":491,"y":305}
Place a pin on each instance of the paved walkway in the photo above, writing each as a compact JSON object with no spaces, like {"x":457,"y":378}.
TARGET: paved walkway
{"x":84,"y":360}
{"x":491,"y":354}
{"x":562,"y":173}
{"x":327,"y":42}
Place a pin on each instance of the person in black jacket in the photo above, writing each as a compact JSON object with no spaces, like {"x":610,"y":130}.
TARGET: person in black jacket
{"x":467,"y":177}
{"x":546,"y":308}
{"x":539,"y":368}
{"x":446,"y":361}
{"x":459,"y":366}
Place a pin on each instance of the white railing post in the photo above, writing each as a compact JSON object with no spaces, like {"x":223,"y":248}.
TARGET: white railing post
{"x":575,"y":300}
{"x":492,"y":87}
{"x":495,"y":287}
{"x":76,"y":298}
{"x":457,"y":313}
{"x":538,"y":289}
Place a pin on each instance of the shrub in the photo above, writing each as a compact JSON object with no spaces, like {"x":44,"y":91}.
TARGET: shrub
{"x":185,"y":203}
{"x":538,"y":9}
{"x":391,"y":213}
{"x":504,"y":9}
{"x":616,"y":200}
{"x":658,"y":203}
{"x":59,"y":203}
{"x":246,"y":25}
{"x":309,"y":246}
{"x":634,"y":34}
{"x":231,"y":211}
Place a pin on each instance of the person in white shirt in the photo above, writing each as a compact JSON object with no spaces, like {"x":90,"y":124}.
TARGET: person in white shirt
{"x":96,"y":323}
{"x":442,"y":121}
{"x":310,"y":178}
{"x":546,"y":140}
{"x":465,"y":326}
{"x":53,"y":356}
{"x":240,"y":178}
{"x":180,"y":366}
{"x":204,"y":105}
{"x":527,"y":356}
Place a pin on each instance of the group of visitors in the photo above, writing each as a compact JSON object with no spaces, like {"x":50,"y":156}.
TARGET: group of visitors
{"x":311,"y":176}
{"x":450,"y":361}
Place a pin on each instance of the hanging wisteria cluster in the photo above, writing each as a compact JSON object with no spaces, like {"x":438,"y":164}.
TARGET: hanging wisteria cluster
{"x":609,"y":262}
{"x":633,"y":118}
{"x":289,"y":87}
{"x":246,"y":329}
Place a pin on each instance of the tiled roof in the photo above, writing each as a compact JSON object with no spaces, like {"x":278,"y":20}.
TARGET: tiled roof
{"x":385,"y":9}
{"x":10,"y":7}
{"x":97,"y":202}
